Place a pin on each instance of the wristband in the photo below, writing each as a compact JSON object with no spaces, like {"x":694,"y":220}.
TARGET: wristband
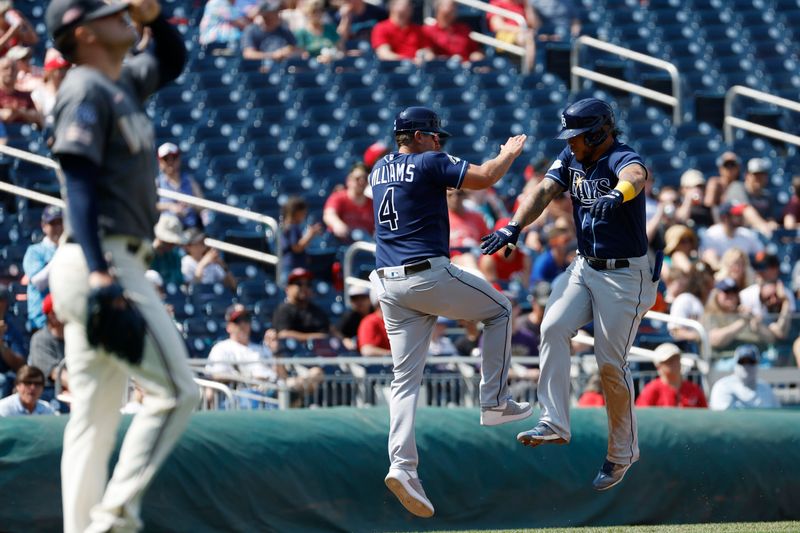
{"x":627,"y":189}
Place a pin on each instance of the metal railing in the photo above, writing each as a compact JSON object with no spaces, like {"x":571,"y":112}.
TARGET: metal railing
{"x":731,"y":122}
{"x":578,"y":72}
{"x":273,"y":234}
{"x":488,"y":40}
{"x":347,"y":266}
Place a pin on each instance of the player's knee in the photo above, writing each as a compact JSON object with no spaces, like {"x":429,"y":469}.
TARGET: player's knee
{"x":555,"y":330}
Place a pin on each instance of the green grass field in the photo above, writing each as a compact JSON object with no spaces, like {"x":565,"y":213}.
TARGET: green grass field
{"x":736,"y":527}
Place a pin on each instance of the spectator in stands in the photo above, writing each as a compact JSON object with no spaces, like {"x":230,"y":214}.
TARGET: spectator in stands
{"x":15,"y":106}
{"x":729,"y":324}
{"x":348,"y":210}
{"x":690,"y":300}
{"x":373,"y":341}
{"x":729,"y":167}
{"x":670,"y":389}
{"x":466,"y":226}
{"x":593,"y":393}
{"x":768,"y":289}
{"x":44,"y":96}
{"x":347,"y":326}
{"x":754,"y":195}
{"x":440,"y":344}
{"x":560,"y":252}
{"x":509,"y":30}
{"x":398,"y":37}
{"x":266,"y":38}
{"x":222,"y":23}
{"x":47,"y":348}
{"x":448,"y":37}
{"x":557,"y":214}
{"x":735,"y":264}
{"x":15,"y":28}
{"x":680,"y":249}
{"x":202,"y":264}
{"x":317,"y":38}
{"x":499,"y":268}
{"x":26,"y":401}
{"x":692,"y":211}
{"x":469,"y":342}
{"x":36,"y":264}
{"x":743,"y":389}
{"x":12,"y":344}
{"x":791,"y":213}
{"x":298,"y":317}
{"x":237,"y":357}
{"x":557,"y":20}
{"x":526,"y":337}
{"x":356,"y":19}
{"x":29,"y":77}
{"x":663,"y":218}
{"x":297,"y":234}
{"x":167,"y":254}
{"x":728,"y":233}
{"x":173,"y":178}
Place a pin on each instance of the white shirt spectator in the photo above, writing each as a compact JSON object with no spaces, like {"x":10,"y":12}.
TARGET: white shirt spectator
{"x":229,"y":357}
{"x":743,"y":238}
{"x":213,"y":273}
{"x":731,"y":392}
{"x":685,"y":305}
{"x":12,"y":406}
{"x":750,"y":298}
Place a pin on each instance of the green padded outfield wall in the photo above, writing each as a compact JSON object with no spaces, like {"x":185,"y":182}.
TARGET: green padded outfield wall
{"x":322,"y":470}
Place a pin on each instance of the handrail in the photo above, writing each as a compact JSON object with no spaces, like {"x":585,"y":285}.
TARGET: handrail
{"x":255,"y":255}
{"x":705,"y":343}
{"x":347,"y":265}
{"x":577,"y":72}
{"x":491,"y":41}
{"x":731,"y":122}
{"x":217,"y":386}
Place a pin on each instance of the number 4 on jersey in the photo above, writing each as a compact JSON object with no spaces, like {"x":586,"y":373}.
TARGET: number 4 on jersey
{"x":386,"y":211}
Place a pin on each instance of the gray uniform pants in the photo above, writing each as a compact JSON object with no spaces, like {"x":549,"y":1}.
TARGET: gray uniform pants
{"x":410,"y":305}
{"x":98,"y":382}
{"x":616,"y":300}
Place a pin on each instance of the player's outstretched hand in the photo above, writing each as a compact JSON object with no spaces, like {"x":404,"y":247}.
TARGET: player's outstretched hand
{"x":606,"y":204}
{"x":506,"y":236}
{"x":514,"y":145}
{"x":144,"y":11}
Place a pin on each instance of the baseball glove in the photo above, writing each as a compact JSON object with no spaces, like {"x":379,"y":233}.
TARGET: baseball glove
{"x":114,"y":324}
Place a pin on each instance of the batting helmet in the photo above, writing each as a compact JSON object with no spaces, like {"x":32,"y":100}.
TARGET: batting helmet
{"x":419,"y":119}
{"x":587,"y":116}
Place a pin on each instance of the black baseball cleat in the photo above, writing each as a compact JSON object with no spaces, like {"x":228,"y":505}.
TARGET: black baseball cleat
{"x":610,"y":474}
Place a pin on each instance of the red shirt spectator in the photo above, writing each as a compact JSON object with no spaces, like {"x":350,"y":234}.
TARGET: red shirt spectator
{"x":510,"y":5}
{"x":466,"y":227}
{"x":592,"y":399}
{"x":403,"y":41}
{"x":349,"y":209}
{"x":372,"y":331}
{"x":450,"y":38}
{"x":660,"y":394}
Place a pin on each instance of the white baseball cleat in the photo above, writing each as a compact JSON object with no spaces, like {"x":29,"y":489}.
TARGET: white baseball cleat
{"x":408,"y":488}
{"x":508,"y":411}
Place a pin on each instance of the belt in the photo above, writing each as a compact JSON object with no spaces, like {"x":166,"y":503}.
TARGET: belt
{"x":607,"y":264}
{"x":405,"y":270}
{"x":133,"y":246}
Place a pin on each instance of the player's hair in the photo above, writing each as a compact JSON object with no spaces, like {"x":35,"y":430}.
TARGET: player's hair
{"x":404,"y":138}
{"x":357,"y":166}
{"x":66,"y":44}
{"x":293,"y":205}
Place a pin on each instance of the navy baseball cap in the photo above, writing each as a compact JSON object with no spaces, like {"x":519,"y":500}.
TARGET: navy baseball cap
{"x":63,"y":15}
{"x":727,"y":285}
{"x":746,"y":351}
{"x":52,"y":213}
{"x":585,"y":116}
{"x":418,"y":118}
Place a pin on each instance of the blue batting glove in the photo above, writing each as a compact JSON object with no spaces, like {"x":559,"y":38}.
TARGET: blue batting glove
{"x":506,"y":236}
{"x":606,"y":204}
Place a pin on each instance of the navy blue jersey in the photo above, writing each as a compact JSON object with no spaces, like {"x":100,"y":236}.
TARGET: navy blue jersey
{"x":409,"y":198}
{"x":623,"y":235}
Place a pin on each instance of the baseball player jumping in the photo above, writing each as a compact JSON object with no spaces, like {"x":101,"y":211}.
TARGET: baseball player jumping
{"x":610,"y":282}
{"x":116,"y":325}
{"x":416,"y":282}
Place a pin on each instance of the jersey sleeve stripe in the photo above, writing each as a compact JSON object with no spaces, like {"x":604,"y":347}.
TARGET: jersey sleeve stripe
{"x":463,"y":173}
{"x":629,"y":163}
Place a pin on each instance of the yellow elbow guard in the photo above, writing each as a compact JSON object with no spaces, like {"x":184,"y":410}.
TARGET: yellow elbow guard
{"x":627,"y":189}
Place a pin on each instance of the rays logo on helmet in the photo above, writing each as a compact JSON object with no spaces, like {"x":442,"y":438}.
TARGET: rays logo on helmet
{"x":563,"y":121}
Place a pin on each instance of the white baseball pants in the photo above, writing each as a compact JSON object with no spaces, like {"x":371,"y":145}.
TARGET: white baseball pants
{"x":98,"y":382}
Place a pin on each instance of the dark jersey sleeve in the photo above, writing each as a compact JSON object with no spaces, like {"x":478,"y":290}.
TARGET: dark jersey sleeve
{"x":622,"y":158}
{"x":559,"y":170}
{"x":149,"y":72}
{"x":444,"y":169}
{"x":82,"y":118}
